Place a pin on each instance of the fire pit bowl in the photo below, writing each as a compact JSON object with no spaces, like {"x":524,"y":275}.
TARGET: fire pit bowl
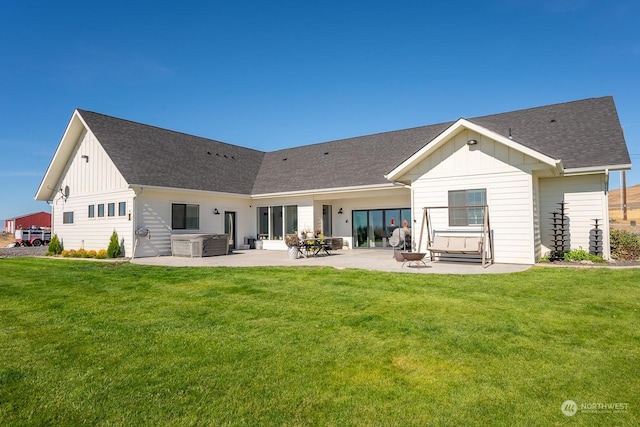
{"x":416,"y":258}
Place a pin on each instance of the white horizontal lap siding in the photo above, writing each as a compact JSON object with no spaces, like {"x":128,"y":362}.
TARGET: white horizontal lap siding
{"x":509,"y":197}
{"x":503,"y":172}
{"x":585,"y":198}
{"x":94,"y":233}
{"x":153,"y":212}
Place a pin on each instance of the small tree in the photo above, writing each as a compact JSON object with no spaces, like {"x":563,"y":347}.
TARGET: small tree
{"x":114,"y":250}
{"x":55,"y":247}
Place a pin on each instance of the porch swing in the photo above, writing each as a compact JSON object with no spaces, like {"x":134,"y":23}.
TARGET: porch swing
{"x":454,"y":242}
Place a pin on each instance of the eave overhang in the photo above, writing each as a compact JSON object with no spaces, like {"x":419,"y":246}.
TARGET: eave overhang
{"x":140,"y":188}
{"x":597,"y":169}
{"x":325,"y":191}
{"x":47,"y":189}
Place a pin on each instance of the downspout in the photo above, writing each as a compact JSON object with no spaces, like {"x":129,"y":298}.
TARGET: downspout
{"x":134,"y":216}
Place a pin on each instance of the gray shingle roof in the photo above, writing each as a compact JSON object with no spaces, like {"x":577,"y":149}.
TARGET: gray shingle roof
{"x":152,"y":156}
{"x":582,"y":133}
{"x":349,"y":162}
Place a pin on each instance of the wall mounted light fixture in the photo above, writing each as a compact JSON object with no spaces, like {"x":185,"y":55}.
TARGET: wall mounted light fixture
{"x":216,"y":212}
{"x":340,"y":211}
{"x":85,"y":157}
{"x":472,"y":142}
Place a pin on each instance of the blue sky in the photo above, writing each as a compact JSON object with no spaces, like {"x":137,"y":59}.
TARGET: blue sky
{"x":270,"y":75}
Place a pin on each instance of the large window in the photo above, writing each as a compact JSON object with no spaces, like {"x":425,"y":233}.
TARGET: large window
{"x":466,"y":207}
{"x":185,"y":216}
{"x":276,"y":221}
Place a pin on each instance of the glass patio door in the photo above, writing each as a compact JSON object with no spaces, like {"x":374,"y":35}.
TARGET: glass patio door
{"x":372,"y":228}
{"x":360,"y":229}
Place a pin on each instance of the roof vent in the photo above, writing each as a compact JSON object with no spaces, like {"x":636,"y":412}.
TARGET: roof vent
{"x":552,"y":121}
{"x":326,"y":152}
{"x":284,"y":159}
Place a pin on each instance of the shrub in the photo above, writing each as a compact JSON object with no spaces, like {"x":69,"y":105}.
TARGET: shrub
{"x":55,"y":247}
{"x":581,"y":255}
{"x":114,"y":250}
{"x":69,"y":253}
{"x":102,"y":254}
{"x":624,"y":245}
{"x":91,"y":253}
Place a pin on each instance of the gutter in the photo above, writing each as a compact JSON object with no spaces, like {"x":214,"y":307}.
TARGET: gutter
{"x":316,"y":192}
{"x":597,"y":169}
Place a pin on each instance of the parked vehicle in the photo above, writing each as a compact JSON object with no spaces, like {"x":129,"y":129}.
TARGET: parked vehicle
{"x":33,"y":237}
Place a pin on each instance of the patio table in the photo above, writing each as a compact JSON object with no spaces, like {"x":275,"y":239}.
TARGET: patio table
{"x":312,"y":247}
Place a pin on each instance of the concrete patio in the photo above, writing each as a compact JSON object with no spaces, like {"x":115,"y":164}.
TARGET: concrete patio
{"x":369,"y":259}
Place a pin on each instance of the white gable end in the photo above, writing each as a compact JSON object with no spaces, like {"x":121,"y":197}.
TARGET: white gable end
{"x":455,"y":158}
{"x":505,"y":173}
{"x":90,"y":170}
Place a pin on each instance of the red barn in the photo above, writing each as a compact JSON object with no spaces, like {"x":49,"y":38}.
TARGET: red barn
{"x":39,"y":219}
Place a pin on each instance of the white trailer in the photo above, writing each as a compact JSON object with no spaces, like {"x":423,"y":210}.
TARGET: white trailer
{"x":33,"y":237}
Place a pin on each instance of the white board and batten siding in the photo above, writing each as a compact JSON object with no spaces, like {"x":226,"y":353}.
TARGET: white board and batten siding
{"x":586,"y":199}
{"x":153,"y":212}
{"x":507,"y":176}
{"x":92,"y":180}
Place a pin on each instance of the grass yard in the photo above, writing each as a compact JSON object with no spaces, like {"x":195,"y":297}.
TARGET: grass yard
{"x":120,"y":344}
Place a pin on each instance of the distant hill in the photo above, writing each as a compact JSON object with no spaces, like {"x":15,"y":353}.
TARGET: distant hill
{"x":633,"y":197}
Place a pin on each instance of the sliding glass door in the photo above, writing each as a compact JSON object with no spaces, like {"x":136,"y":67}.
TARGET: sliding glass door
{"x":373,"y":227}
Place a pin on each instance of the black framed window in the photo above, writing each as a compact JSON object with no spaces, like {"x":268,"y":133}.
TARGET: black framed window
{"x":67,"y":217}
{"x":185,"y":216}
{"x":92,"y":211}
{"x":273,"y":220}
{"x":466,"y":207}
{"x":111,"y":209}
{"x":100,"y":210}
{"x":122,"y":208}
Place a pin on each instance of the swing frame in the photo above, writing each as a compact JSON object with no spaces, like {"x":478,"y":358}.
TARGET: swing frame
{"x":464,"y":245}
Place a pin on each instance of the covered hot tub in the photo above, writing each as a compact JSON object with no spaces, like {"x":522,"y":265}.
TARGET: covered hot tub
{"x":199,"y":245}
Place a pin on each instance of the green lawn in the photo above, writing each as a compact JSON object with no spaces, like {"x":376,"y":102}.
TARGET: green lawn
{"x":119,"y":344}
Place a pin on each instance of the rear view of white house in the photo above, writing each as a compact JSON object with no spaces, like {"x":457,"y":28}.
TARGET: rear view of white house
{"x":112,"y":174}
